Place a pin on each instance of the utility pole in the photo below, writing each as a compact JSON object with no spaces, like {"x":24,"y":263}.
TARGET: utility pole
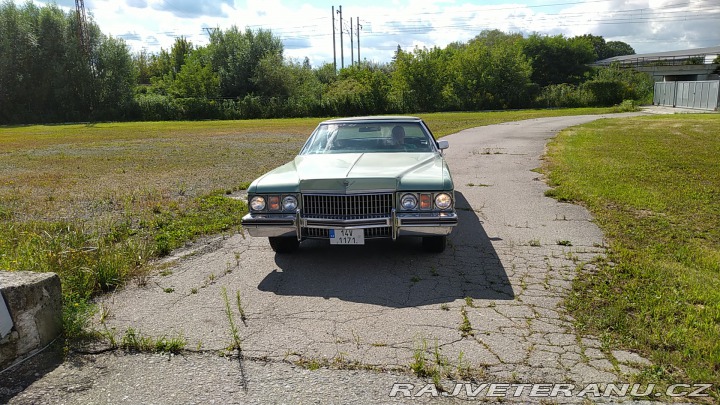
{"x":334,"y":48}
{"x":342,"y":55}
{"x":357,"y":28}
{"x":352,"y":47}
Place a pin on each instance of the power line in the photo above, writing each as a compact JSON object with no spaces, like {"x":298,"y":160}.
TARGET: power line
{"x":470,"y":20}
{"x":465,"y":22}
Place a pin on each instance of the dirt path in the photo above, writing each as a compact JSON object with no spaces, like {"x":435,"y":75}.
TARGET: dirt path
{"x":491,"y":303}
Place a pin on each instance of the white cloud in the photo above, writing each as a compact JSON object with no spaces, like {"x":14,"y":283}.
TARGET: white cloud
{"x":306,"y":28}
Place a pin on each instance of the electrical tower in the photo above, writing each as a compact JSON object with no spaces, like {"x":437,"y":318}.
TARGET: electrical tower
{"x":82,"y":31}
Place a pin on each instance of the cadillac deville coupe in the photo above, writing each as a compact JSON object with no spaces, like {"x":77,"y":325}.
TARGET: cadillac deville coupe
{"x":357,"y":179}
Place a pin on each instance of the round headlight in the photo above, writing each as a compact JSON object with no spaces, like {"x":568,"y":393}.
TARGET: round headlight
{"x":289,"y":203}
{"x":408,"y":202}
{"x":257,"y":203}
{"x":443,"y":201}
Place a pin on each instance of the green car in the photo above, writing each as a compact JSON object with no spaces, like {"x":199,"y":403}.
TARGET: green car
{"x":357,"y":179}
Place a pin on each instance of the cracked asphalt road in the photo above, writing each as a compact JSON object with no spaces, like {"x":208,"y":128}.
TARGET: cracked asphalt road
{"x":508,"y":267}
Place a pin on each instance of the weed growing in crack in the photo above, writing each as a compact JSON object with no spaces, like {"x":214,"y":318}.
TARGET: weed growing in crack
{"x":339,"y":359}
{"x":465,"y":326}
{"x":445,"y":307}
{"x":110,"y":334}
{"x":465,"y":371}
{"x":236,"y":343}
{"x":241,"y":310}
{"x":356,"y":338}
{"x":564,"y":243}
{"x":534,"y":243}
{"x":469,"y":302}
{"x":435,"y":368}
{"x":135,"y":341}
{"x":104,"y":313}
{"x":419,"y":364}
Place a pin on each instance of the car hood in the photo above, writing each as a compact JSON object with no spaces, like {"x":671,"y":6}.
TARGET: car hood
{"x":357,"y":172}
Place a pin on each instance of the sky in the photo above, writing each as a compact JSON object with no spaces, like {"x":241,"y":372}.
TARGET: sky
{"x":306,"y":27}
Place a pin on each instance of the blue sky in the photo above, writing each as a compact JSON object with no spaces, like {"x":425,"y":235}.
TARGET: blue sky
{"x":306,"y":26}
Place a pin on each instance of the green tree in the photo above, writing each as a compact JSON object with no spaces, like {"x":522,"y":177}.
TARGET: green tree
{"x":44,"y":74}
{"x":419,"y":79}
{"x":490,"y":72}
{"x":115,"y":78}
{"x":605,"y":50}
{"x":52,"y":63}
{"x":628,"y":83}
{"x":326,"y":73}
{"x":618,"y":48}
{"x":360,"y":89}
{"x":558,"y":59}
{"x":236,"y":55}
{"x":196,"y":79}
{"x":18,"y":52}
{"x":271,"y":77}
{"x":179,"y":52}
{"x":142,"y":61}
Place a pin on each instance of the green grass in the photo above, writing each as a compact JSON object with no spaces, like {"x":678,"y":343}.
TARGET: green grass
{"x":96,"y":203}
{"x":653,"y":184}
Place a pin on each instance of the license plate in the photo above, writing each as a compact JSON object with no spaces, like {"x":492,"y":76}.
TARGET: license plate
{"x":347,"y":237}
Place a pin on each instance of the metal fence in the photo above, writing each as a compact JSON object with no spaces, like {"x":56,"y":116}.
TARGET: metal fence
{"x":701,"y":95}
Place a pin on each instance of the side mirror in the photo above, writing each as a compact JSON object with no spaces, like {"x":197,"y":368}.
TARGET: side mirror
{"x":442,"y":145}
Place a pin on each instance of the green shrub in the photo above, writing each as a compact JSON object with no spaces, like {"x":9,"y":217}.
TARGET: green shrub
{"x":563,"y":96}
{"x":605,"y":92}
{"x":156,"y":107}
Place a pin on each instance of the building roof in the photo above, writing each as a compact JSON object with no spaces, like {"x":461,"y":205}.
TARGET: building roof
{"x":671,"y":55}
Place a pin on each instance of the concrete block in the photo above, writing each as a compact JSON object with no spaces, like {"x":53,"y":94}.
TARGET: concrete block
{"x":34,"y":303}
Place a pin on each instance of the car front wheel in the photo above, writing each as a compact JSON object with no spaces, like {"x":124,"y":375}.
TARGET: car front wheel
{"x":284,"y":244}
{"x":434,"y":244}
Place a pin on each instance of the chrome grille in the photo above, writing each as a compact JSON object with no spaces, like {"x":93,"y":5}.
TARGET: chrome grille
{"x":360,"y":206}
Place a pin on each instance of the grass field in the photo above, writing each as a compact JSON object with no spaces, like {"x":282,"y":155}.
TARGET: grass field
{"x":653,"y":184}
{"x":97,"y":202}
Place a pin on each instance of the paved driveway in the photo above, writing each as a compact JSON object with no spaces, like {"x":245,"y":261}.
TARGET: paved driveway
{"x":490,"y":302}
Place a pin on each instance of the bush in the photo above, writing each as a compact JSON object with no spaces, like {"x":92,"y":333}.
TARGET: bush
{"x":627,"y":106}
{"x":155,"y":107}
{"x":563,"y":96}
{"x":606,"y":92}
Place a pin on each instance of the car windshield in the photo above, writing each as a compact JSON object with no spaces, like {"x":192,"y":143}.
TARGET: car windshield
{"x":369,"y":137}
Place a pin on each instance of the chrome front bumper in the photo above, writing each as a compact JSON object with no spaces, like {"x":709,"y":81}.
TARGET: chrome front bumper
{"x":403,"y":224}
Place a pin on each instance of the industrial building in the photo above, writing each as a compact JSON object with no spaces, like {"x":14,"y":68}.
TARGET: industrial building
{"x":686,"y":78}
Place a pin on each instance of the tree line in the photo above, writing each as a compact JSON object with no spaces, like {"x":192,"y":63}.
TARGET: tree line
{"x":45,"y":76}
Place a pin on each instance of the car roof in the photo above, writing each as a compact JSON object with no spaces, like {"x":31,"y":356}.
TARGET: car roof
{"x":373,"y":119}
